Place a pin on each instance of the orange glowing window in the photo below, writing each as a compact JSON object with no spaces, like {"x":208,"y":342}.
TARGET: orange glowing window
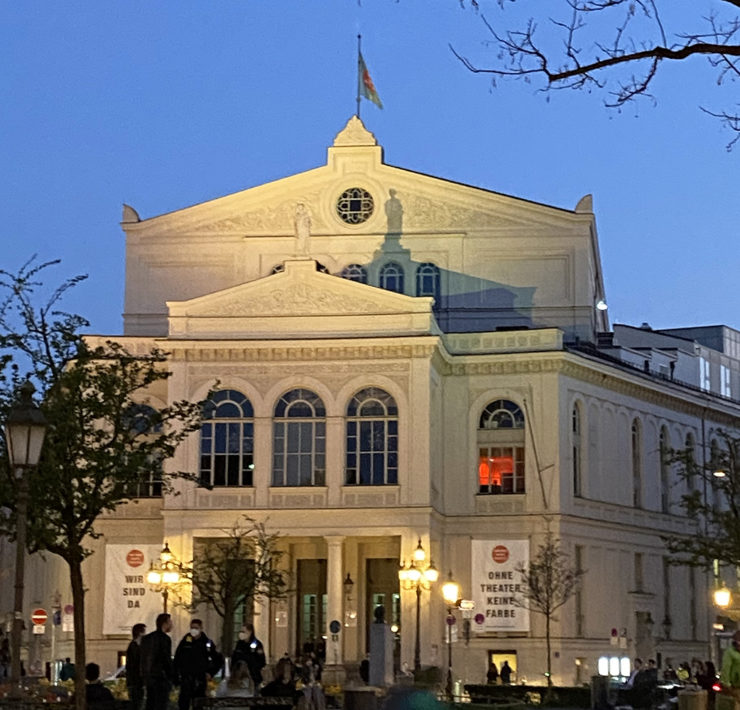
{"x":492,"y":468}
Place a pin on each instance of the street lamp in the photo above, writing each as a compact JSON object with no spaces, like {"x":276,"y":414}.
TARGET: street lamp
{"x":418,"y":574}
{"x":25,"y":429}
{"x":164,"y":574}
{"x":451,"y":594}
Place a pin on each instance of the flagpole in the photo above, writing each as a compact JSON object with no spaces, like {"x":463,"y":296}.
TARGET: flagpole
{"x":359,"y":40}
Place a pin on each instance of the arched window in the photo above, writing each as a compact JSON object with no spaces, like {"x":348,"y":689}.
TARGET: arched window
{"x":576,"y":449}
{"x":391,"y":277}
{"x":427,"y":281}
{"x":227,"y":440}
{"x":501,"y":448}
{"x":321,"y":268}
{"x":299,"y":440}
{"x":690,"y":458}
{"x":355,"y":272}
{"x":141,"y":420}
{"x":636,"y":464}
{"x":665,"y":471}
{"x":278,"y":268}
{"x":372,"y":439}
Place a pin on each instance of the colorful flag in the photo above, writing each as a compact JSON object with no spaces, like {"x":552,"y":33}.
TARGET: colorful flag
{"x":367,"y":88}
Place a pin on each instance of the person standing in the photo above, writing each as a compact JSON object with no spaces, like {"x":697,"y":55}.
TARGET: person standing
{"x":134,"y":681}
{"x":250,"y":650}
{"x":729,"y":675}
{"x":97,"y":695}
{"x":505,"y":673}
{"x":194,"y":664}
{"x":156,"y":664}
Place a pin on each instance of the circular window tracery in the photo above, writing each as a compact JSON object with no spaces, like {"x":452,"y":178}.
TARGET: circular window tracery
{"x":355,"y":205}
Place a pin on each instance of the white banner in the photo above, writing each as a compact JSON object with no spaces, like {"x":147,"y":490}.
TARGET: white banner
{"x":129,"y":599}
{"x":497,"y":583}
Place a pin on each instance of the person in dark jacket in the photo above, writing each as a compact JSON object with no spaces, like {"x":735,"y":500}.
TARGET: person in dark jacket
{"x":194,"y":664}
{"x":97,"y":695}
{"x":250,"y":649}
{"x":134,"y":681}
{"x":156,"y":664}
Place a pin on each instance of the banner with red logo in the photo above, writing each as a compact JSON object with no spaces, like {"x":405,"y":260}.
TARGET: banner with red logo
{"x":497,"y":583}
{"x":129,"y":599}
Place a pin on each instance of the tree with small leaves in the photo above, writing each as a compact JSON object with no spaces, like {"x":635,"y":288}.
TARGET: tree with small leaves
{"x":547,"y":582}
{"x":712,"y":500}
{"x":103,"y":442}
{"x":236,"y":570}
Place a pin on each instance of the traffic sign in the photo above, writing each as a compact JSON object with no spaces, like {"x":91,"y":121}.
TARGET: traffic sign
{"x":39,"y":617}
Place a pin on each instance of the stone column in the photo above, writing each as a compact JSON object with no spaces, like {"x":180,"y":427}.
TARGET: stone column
{"x":335,"y":601}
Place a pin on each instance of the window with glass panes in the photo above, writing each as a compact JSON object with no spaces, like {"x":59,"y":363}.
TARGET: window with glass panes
{"x":501,"y":449}
{"x":227,"y":440}
{"x":299,"y":440}
{"x":372,"y":439}
{"x":391,"y":277}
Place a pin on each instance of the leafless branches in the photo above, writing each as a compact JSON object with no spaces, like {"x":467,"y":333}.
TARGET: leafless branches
{"x":616,"y":46}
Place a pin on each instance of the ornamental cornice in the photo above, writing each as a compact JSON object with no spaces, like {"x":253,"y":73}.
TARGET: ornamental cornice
{"x":244,"y":353}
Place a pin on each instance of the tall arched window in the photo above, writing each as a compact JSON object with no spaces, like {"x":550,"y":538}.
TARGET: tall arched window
{"x":501,"y":448}
{"x":427,"y":281}
{"x":372,"y":439}
{"x":144,"y":421}
{"x":636,"y":464}
{"x":355,"y":272}
{"x":391,"y":277}
{"x":227,"y":440}
{"x":576,"y":449}
{"x":690,"y":454}
{"x":664,"y":446}
{"x":299,"y":440}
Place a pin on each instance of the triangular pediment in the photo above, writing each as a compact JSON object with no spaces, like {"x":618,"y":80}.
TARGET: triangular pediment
{"x":300,"y":301}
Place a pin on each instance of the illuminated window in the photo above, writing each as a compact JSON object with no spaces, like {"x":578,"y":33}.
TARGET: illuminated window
{"x":501,"y":449}
{"x":372,"y":439}
{"x":299,"y":440}
{"x":227,"y":440}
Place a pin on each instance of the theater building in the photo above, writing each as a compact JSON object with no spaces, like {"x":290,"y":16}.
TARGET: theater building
{"x":398,"y":358}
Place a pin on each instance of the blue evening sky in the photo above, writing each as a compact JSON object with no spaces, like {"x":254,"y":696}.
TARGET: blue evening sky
{"x":163,"y":104}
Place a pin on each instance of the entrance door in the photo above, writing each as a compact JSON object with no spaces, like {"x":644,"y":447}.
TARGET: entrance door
{"x":383,"y":590}
{"x":312,"y":606}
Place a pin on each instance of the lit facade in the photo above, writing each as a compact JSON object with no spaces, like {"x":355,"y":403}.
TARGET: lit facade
{"x":398,"y":357}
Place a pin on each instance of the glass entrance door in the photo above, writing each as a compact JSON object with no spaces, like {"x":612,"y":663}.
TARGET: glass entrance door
{"x":312,"y":606}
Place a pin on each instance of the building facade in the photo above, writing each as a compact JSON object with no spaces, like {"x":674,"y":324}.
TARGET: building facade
{"x":394,"y":358}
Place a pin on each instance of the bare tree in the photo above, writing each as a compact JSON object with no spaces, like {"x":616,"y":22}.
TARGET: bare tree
{"x":618,"y":46}
{"x":237,"y":569}
{"x":548,"y":581}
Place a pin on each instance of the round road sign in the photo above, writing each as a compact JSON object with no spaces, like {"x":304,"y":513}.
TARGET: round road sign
{"x":39,"y":617}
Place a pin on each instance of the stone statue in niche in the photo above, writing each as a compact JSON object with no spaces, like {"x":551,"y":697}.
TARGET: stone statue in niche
{"x":302,"y":224}
{"x":394,"y":212}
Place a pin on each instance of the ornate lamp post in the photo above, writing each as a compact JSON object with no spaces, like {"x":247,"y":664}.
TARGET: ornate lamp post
{"x":164,"y":574}
{"x":419,"y":575}
{"x":451,"y":594}
{"x":25,"y":429}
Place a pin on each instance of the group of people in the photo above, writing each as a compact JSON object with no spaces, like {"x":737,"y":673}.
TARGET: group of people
{"x":152,"y":669}
{"x":642,"y":685}
{"x":493,"y":674}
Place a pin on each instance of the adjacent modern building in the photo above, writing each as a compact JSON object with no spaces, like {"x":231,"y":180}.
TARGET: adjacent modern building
{"x":398,"y":358}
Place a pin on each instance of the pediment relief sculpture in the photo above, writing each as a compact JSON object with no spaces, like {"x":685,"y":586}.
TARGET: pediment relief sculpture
{"x":298,"y":299}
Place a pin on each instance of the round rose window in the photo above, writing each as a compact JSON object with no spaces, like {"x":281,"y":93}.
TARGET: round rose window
{"x":355,"y":205}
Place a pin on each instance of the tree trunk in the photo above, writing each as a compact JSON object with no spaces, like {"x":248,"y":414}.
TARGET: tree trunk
{"x":548,"y":695}
{"x":78,"y":600}
{"x":227,"y":630}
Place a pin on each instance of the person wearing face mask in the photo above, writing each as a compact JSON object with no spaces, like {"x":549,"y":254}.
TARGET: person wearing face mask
{"x":194,"y":664}
{"x":250,"y":650}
